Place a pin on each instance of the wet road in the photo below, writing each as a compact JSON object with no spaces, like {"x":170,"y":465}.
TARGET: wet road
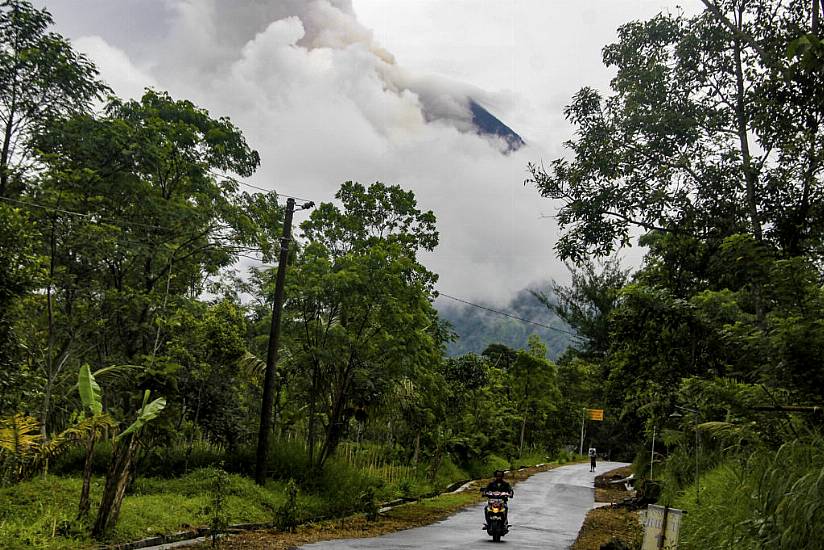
{"x":547,"y":512}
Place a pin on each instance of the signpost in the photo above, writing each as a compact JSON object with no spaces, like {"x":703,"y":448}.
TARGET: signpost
{"x":661,"y":528}
{"x":592,"y":414}
{"x":595,"y":414}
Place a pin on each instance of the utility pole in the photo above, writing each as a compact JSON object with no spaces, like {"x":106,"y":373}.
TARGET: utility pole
{"x":272,"y":351}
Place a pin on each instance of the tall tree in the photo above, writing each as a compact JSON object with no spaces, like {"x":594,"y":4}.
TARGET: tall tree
{"x":134,"y":219}
{"x":702,"y":137}
{"x":359,"y":305}
{"x":41,"y":79}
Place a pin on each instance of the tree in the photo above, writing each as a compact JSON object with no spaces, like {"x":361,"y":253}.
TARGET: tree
{"x":19,"y":270}
{"x":587,"y":303}
{"x":41,"y":79}
{"x":697,"y":140}
{"x":92,"y":399}
{"x":535,"y":389}
{"x":117,"y":477}
{"x":206,"y":343}
{"x":134,"y":220}
{"x":359,"y":306}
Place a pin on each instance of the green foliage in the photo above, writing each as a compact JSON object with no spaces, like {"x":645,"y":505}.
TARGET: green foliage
{"x":770,"y":500}
{"x":286,"y":515}
{"x":148,"y":412}
{"x":359,"y":313}
{"x":89,"y":390}
{"x":669,"y":151}
{"x":19,"y":273}
{"x":586,"y":304}
{"x":218,"y":514}
{"x":41,"y":79}
{"x":485,"y":467}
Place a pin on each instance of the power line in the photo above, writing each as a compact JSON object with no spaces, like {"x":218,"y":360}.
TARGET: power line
{"x":249,"y":185}
{"x":120,"y":223}
{"x":505,"y":314}
{"x":91,"y":217}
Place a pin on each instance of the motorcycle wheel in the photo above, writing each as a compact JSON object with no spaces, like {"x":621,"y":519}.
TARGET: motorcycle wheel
{"x":496,"y":538}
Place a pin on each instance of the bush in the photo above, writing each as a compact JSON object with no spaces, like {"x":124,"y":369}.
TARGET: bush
{"x":286,"y":515}
{"x":448,"y":473}
{"x":771,"y":500}
{"x":565,"y":456}
{"x":71,"y":461}
{"x":485,"y":467}
{"x":343,"y":486}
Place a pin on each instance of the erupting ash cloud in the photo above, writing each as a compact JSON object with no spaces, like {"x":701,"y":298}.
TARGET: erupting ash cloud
{"x":332,"y":24}
{"x":323,"y":101}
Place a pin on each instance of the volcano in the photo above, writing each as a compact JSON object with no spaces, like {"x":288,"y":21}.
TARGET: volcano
{"x":487,"y":124}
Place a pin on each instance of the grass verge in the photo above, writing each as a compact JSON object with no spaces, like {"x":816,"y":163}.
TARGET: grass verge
{"x":407,"y":516}
{"x":603,"y":525}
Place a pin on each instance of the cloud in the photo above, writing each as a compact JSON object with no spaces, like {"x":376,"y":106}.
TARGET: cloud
{"x":117,"y":69}
{"x":323,"y":101}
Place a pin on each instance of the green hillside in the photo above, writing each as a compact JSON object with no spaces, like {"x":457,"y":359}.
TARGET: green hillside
{"x":477,"y":328}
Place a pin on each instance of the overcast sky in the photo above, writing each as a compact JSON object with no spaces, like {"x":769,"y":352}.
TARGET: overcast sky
{"x":336,"y":90}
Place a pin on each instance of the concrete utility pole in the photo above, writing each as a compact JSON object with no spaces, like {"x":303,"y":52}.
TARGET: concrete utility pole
{"x":272,"y":352}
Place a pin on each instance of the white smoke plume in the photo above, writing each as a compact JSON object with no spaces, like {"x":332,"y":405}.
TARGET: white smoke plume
{"x":219,"y":30}
{"x":323,"y":101}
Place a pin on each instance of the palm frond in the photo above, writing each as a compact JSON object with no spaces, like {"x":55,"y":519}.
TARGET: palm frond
{"x":18,"y":435}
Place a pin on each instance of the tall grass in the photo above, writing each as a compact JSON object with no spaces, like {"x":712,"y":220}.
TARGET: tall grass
{"x":770,"y":500}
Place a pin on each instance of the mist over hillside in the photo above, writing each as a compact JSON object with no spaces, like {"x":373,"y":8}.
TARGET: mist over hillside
{"x":477,"y":328}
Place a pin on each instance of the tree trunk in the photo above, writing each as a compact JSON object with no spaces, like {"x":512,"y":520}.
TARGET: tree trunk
{"x":117,"y":480}
{"x":5,"y":153}
{"x":750,"y":177}
{"x":417,"y":448}
{"x":83,"y":508}
{"x":523,"y":432}
{"x":191,"y":445}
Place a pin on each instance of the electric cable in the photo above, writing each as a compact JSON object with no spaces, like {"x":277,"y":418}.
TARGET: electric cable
{"x":505,"y":314}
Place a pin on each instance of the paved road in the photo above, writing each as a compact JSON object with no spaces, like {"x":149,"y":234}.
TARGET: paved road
{"x":547,"y":512}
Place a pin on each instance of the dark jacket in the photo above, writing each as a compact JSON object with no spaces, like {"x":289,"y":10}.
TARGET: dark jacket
{"x":499,"y":486}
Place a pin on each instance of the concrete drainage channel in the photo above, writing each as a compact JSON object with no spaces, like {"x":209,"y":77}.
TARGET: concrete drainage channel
{"x":202,"y":534}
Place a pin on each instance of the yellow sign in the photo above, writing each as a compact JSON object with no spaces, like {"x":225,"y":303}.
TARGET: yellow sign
{"x":595,"y":414}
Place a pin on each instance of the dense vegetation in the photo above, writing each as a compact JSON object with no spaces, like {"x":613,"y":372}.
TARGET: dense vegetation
{"x":711,"y":146}
{"x":133,"y":352}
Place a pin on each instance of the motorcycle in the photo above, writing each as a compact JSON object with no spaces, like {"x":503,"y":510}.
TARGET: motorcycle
{"x":496,"y":514}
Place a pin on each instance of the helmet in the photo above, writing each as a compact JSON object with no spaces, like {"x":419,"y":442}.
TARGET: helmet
{"x":498,"y":473}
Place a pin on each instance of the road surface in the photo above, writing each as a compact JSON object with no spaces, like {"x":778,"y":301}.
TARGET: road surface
{"x":547,"y":512}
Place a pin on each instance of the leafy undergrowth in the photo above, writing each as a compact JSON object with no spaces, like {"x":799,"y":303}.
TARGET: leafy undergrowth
{"x":356,"y":526}
{"x":41,"y":513}
{"x":771,"y":499}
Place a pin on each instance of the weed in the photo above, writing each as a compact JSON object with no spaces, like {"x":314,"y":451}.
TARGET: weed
{"x":218,"y":516}
{"x":286,"y":515}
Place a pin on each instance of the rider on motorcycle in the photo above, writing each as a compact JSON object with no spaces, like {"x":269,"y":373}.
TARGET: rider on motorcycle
{"x":498,"y":492}
{"x":498,"y":484}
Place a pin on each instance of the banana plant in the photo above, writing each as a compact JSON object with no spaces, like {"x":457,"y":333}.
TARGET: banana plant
{"x":117,"y":477}
{"x":92,"y":399}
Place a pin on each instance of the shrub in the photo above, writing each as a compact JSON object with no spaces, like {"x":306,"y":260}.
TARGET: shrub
{"x":286,"y":515}
{"x":770,"y":500}
{"x":485,"y":467}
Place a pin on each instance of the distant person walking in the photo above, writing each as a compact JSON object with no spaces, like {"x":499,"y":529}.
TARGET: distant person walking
{"x":592,"y":459}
